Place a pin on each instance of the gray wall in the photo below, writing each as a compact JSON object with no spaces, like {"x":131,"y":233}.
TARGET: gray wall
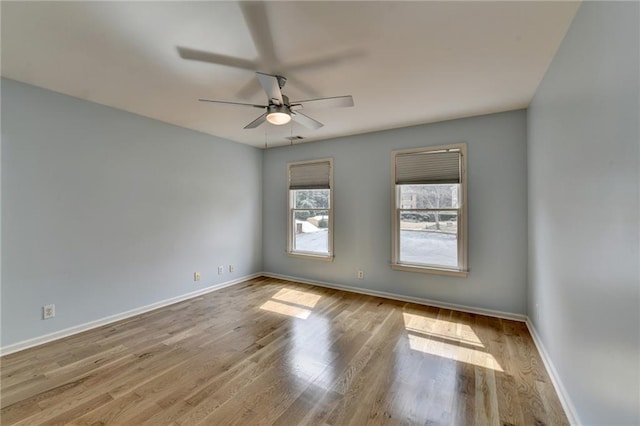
{"x":362,"y":233}
{"x":104,"y":211}
{"x":584,"y":277}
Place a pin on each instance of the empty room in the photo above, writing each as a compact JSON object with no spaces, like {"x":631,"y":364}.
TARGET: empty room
{"x":320,"y":213}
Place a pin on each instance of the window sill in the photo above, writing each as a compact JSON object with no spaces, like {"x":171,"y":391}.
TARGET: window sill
{"x":323,"y":258}
{"x":429,"y":270}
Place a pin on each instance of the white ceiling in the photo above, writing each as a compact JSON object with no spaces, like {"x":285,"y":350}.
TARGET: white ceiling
{"x":404,"y":62}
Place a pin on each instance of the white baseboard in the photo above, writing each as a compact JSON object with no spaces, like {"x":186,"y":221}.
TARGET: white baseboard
{"x":36,"y":341}
{"x":394,"y":296}
{"x":567,"y":405}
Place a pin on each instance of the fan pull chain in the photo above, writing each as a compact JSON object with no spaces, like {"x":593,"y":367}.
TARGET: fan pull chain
{"x":291,"y":138}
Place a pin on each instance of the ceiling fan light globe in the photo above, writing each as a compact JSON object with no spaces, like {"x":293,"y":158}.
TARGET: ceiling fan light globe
{"x":278,"y":118}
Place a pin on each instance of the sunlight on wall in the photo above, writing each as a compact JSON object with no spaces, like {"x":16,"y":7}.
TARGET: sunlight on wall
{"x":449,"y":340}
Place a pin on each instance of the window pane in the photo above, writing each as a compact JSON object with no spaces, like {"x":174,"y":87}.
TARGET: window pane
{"x":311,"y":198}
{"x":429,"y":196}
{"x":311,"y":231}
{"x":429,"y":238}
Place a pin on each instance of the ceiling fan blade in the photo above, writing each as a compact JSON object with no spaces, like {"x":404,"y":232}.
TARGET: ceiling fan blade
{"x":248,"y":90}
{"x":258,"y":121}
{"x":333,"y":102}
{"x":270,"y":85}
{"x":305,"y":120}
{"x":232,"y":103}
{"x":255,"y":16}
{"x":310,"y":91}
{"x":214,"y":58}
{"x":329,"y":60}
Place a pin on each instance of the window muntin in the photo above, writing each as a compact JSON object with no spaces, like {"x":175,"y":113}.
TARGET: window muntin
{"x":310,"y":222}
{"x":429,"y":212}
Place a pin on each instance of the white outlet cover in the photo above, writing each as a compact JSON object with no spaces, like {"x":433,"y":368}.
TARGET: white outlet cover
{"x":232,"y":268}
{"x":48,"y":311}
{"x":220,"y":270}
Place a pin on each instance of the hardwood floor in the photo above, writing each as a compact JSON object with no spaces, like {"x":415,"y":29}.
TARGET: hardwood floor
{"x":274,"y":352}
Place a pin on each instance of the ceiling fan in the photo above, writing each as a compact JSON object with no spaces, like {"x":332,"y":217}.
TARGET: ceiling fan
{"x":280,"y":110}
{"x":256,"y":17}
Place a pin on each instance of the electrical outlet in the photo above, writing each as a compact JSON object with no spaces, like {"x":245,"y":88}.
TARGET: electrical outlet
{"x":220,"y":270}
{"x":232,"y":268}
{"x":196,"y":276}
{"x":361,"y":275}
{"x":48,"y":311}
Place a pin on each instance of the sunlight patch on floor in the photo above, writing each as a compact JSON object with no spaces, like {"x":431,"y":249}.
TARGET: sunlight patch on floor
{"x":454,"y":352}
{"x":285,"y":309}
{"x":302,"y":298}
{"x":442,"y":328}
{"x":448,"y":339}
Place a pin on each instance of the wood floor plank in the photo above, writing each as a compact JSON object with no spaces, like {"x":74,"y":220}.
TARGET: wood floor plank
{"x":109,"y":413}
{"x":270,"y":351}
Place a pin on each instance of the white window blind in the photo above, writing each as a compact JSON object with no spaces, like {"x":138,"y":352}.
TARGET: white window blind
{"x":435,"y":167}
{"x":310,"y":175}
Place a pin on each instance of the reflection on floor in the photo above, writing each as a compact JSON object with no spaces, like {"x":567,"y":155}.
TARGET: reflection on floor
{"x":275,"y":352}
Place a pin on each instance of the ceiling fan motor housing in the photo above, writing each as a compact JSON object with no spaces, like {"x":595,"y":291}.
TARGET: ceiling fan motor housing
{"x":275,"y":102}
{"x":278,"y":108}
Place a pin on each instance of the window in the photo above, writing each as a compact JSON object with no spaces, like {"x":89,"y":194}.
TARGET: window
{"x":310,"y":209}
{"x":430,"y":210}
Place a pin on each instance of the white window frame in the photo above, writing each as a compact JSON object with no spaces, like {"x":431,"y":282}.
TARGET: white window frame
{"x":462,"y":270}
{"x":290,"y":207}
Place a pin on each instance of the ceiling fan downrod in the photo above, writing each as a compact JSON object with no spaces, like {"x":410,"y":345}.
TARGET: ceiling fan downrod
{"x":281,"y":81}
